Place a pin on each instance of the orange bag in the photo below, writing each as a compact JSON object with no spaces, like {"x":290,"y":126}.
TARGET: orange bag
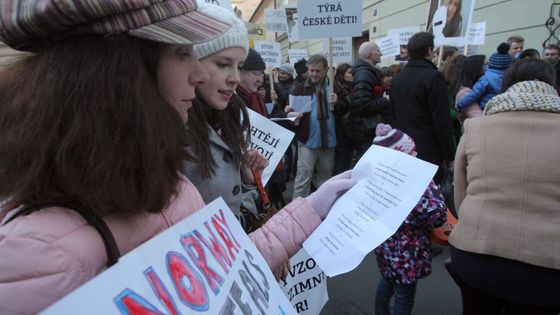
{"x":440,"y":234}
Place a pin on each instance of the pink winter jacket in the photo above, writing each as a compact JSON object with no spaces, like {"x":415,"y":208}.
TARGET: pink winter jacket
{"x":51,"y":252}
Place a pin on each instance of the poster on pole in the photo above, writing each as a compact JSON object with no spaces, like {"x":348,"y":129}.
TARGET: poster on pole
{"x":270,"y":53}
{"x":449,"y":21}
{"x":270,"y":139}
{"x":477,"y":33}
{"x":275,"y":20}
{"x":389,"y":46}
{"x":404,"y":33}
{"x":341,"y":47}
{"x":205,"y":264}
{"x":320,"y":19}
{"x":296,"y":54}
{"x":291,"y":21}
{"x":255,"y":32}
{"x":306,"y":285}
{"x":222,"y":3}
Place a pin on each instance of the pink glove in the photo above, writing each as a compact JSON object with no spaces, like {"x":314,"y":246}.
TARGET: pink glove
{"x":323,"y":199}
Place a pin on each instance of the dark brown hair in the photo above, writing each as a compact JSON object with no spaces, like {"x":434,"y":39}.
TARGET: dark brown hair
{"x":82,"y":123}
{"x":235,"y":134}
{"x":529,"y":69}
{"x":340,"y":72}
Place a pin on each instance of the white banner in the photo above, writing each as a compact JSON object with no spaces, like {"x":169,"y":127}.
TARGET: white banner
{"x":477,"y":33}
{"x":297,"y":54}
{"x":275,"y":20}
{"x":270,"y":139}
{"x":291,"y":20}
{"x":205,"y":264}
{"x":320,"y":19}
{"x":270,"y":53}
{"x":222,"y":3}
{"x":389,"y":46}
{"x":342,"y":49}
{"x":404,"y":34}
{"x":306,"y":285}
{"x":390,"y":183}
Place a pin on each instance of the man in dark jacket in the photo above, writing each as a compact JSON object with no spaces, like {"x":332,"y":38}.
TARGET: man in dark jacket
{"x":368,"y":107}
{"x":421,"y":106}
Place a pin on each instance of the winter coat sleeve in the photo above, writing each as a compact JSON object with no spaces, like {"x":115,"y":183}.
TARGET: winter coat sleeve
{"x":282,"y":236}
{"x":363,"y":101}
{"x":460,"y":170}
{"x":438,"y":104}
{"x":474,"y":96}
{"x":437,"y":209}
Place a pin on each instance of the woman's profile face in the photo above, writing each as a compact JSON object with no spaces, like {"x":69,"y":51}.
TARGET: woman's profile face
{"x":223,"y":68}
{"x":178,"y":73}
{"x":348,"y":76}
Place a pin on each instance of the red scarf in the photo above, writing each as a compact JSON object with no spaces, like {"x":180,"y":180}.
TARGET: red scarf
{"x":253,"y":100}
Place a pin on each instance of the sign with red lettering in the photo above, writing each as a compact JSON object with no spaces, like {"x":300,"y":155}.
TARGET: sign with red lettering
{"x":204,"y":264}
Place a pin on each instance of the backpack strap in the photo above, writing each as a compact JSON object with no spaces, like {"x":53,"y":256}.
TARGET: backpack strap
{"x":93,"y":220}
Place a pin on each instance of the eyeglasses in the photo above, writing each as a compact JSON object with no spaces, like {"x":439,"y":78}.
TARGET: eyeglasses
{"x":258,"y":73}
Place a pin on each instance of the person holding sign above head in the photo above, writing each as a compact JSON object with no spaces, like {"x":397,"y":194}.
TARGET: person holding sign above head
{"x":92,"y":131}
{"x":315,"y":132}
{"x":406,"y":256}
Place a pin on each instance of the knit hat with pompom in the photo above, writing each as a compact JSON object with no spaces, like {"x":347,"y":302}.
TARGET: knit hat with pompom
{"x":395,"y":139}
{"x":500,"y":59}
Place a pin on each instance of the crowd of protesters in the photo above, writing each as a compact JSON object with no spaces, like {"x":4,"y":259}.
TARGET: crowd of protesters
{"x":156,"y":125}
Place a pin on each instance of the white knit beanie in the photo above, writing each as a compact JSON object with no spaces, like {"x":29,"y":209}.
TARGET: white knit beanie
{"x":236,"y":36}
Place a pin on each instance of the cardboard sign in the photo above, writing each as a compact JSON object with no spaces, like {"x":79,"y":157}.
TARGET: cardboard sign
{"x":204,"y":264}
{"x":341,"y":47}
{"x":222,"y":3}
{"x":255,"y":32}
{"x":306,"y":285}
{"x":477,"y":33}
{"x":275,"y":20}
{"x":270,"y":53}
{"x":318,"y":19}
{"x":270,"y":139}
{"x":404,"y":34}
{"x":389,"y":46}
{"x":296,"y":55}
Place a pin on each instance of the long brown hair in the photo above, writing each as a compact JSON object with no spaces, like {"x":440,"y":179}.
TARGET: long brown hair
{"x":235,"y":131}
{"x":82,"y":123}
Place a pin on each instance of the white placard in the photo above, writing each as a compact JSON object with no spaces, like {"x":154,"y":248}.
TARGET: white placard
{"x":296,"y":54}
{"x":320,"y":19}
{"x":204,"y":264}
{"x":222,"y":3}
{"x":477,"y":33}
{"x":404,"y":33}
{"x":389,"y":46}
{"x":306,"y":285}
{"x":341,"y":47}
{"x":300,"y":103}
{"x":275,"y":20}
{"x":390,"y":183}
{"x":270,"y":139}
{"x":270,"y":53}
{"x":291,"y":20}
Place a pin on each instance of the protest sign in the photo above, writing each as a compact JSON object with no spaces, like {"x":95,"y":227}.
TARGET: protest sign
{"x":270,"y":53}
{"x":300,"y":103}
{"x":306,"y":284}
{"x":390,"y":183}
{"x":404,"y":34}
{"x":204,"y":264}
{"x":270,"y":139}
{"x":275,"y":20}
{"x":317,"y":19}
{"x":477,"y":33}
{"x":389,"y":46}
{"x":341,"y":48}
{"x":449,"y":24}
{"x":222,"y":3}
{"x":296,"y":55}
{"x":255,"y":32}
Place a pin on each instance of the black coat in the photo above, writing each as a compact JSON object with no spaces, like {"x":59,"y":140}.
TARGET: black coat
{"x":368,"y":107}
{"x":283,"y":89}
{"x":421,"y":109}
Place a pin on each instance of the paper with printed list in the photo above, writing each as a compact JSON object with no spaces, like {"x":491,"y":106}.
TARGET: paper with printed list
{"x":390,"y":183}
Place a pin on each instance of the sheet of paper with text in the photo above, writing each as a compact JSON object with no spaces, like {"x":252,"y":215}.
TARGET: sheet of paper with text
{"x":390,"y":184}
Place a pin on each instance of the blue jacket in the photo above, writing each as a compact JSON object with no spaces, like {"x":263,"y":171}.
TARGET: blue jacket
{"x":484,"y":89}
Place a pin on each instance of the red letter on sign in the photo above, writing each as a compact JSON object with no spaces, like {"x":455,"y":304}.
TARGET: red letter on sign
{"x":161,"y":291}
{"x":130,"y":303}
{"x":196,"y":253}
{"x":193,"y":294}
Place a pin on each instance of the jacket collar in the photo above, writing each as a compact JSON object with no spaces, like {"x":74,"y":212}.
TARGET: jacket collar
{"x":420,"y":63}
{"x":525,"y":96}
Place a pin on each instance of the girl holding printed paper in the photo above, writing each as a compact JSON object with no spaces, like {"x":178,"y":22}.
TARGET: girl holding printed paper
{"x":406,"y":256}
{"x":92,"y":126}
